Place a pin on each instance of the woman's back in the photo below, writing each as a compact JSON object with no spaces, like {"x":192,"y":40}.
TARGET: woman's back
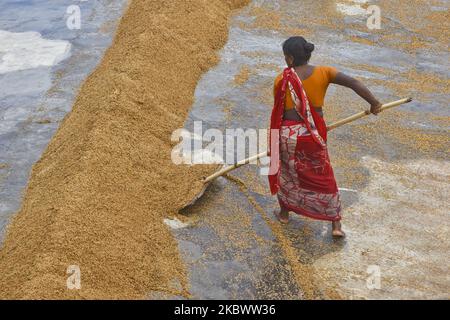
{"x":315,"y":86}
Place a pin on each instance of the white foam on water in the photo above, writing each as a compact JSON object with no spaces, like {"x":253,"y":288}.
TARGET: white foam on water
{"x":351,"y":9}
{"x":202,"y":156}
{"x":175,"y":224}
{"x":28,"y":50}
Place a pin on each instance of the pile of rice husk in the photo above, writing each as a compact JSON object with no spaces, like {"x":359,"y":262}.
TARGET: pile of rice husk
{"x":98,"y":196}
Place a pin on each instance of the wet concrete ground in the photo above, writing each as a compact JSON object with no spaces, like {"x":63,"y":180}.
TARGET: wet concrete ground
{"x":396,"y":215}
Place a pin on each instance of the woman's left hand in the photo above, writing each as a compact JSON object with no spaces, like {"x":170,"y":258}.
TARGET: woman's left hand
{"x":376,"y":108}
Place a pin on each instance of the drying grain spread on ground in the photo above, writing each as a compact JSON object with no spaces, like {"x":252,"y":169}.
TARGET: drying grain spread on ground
{"x":98,"y":195}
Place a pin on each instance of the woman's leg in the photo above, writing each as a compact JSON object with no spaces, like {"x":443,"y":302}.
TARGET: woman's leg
{"x":282,"y":215}
{"x":337,"y":230}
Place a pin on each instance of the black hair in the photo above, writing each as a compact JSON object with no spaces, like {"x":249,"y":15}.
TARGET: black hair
{"x":299,"y":49}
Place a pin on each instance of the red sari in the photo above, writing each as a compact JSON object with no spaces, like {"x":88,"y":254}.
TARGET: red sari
{"x":301,"y":173}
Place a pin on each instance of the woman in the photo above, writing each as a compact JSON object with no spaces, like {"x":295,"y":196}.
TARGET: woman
{"x":303,"y":179}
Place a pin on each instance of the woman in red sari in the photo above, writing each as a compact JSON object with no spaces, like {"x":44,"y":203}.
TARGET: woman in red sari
{"x":301,"y":174}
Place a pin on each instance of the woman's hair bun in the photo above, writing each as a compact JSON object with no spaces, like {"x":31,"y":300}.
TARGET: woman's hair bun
{"x":309,"y":47}
{"x":299,"y":49}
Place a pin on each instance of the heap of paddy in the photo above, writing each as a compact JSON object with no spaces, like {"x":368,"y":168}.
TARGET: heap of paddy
{"x":98,"y":195}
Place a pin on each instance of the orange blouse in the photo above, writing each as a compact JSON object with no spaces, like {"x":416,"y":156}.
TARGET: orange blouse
{"x":315,"y":86}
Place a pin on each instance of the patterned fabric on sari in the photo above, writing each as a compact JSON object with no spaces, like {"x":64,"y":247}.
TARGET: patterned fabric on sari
{"x":304,"y":181}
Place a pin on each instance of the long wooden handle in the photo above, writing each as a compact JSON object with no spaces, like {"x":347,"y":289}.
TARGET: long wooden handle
{"x":235,"y":166}
{"x":330,"y":127}
{"x":366,"y":113}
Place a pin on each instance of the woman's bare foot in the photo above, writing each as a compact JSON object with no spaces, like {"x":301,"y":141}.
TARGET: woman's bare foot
{"x":282,"y":216}
{"x":337,"y":230}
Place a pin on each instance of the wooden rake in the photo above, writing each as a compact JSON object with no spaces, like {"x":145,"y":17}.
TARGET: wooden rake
{"x":207,"y":181}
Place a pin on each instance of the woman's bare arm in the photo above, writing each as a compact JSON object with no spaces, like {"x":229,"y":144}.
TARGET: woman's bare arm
{"x":360,"y":89}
